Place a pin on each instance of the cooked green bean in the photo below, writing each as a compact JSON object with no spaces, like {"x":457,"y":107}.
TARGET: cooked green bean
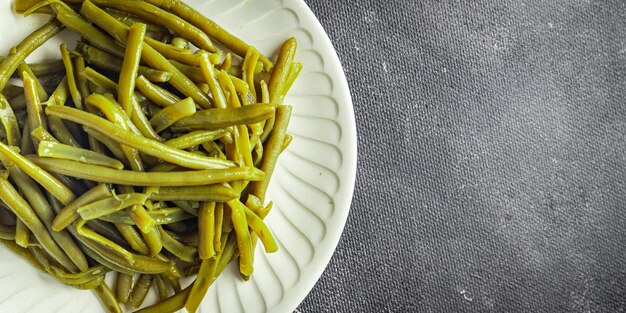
{"x":209,"y":27}
{"x":222,"y":118}
{"x":149,"y":55}
{"x":9,"y":121}
{"x":40,"y":90}
{"x":123,"y":286}
{"x":162,"y":287}
{"x":155,"y":93}
{"x":240,"y":223}
{"x":102,"y":59}
{"x":86,"y":30}
{"x":59,"y":96}
{"x":130,"y":19}
{"x":211,"y":78}
{"x":149,"y":147}
{"x":153,"y":240}
{"x":206,"y":230}
{"x":216,"y":192}
{"x":17,"y":54}
{"x":111,"y":204}
{"x":69,"y":214}
{"x":133,"y":238}
{"x":173,"y":113}
{"x":22,"y":234}
{"x":185,"y":253}
{"x":130,"y":66}
{"x":159,"y":216}
{"x":272,"y":150}
{"x":26,"y":146}
{"x":227,"y":63}
{"x":70,"y":78}
{"x":281,"y":71}
{"x":195,"y":138}
{"x":261,"y":230}
{"x":25,"y":213}
{"x":113,"y":146}
{"x":171,"y":304}
{"x":140,"y":290}
{"x":60,"y":151}
{"x":141,"y":218}
{"x":108,"y":299}
{"x":46,"y":180}
{"x":131,"y":178}
{"x":42,"y":208}
{"x":43,"y":68}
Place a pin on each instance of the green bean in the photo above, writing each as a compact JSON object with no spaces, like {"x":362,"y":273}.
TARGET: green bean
{"x":193,"y":72}
{"x":81,"y":83}
{"x":42,"y":135}
{"x":206,"y":230}
{"x":156,"y":94}
{"x":39,"y":89}
{"x":25,"y":213}
{"x":59,"y":96}
{"x":26,"y":146}
{"x":22,"y":234}
{"x":108,"y":299}
{"x":87,"y":276}
{"x":185,"y":253}
{"x":240,"y":224}
{"x":173,"y":113}
{"x":202,"y":283}
{"x":195,"y":138}
{"x":54,"y":186}
{"x":43,"y":68}
{"x":114,"y":113}
{"x":171,"y":304}
{"x":211,"y":78}
{"x":17,"y":54}
{"x":42,"y":208}
{"x":133,"y":238}
{"x":147,"y":146}
{"x":272,"y":149}
{"x":281,"y":71}
{"x":99,"y":79}
{"x":294,"y":71}
{"x":123,"y":285}
{"x":156,"y":15}
{"x":92,"y":34}
{"x":130,"y":66}
{"x":113,"y":146}
{"x":129,"y":20}
{"x":216,"y":192}
{"x":159,"y":216}
{"x":261,"y":230}
{"x":104,"y":242}
{"x":141,"y":218}
{"x":111,"y":204}
{"x":102,"y":59}
{"x":69,"y":214}
{"x":172,"y":53}
{"x":131,"y":178}
{"x":65,"y":152}
{"x":217,"y":232}
{"x":149,"y":55}
{"x":153,"y":240}
{"x":70,"y":78}
{"x":227,"y":63}
{"x":143,"y":124}
{"x":222,"y":118}
{"x":286,"y":142}
{"x":9,"y":121}
{"x":140,"y":290}
{"x":180,"y":42}
{"x":162,"y":288}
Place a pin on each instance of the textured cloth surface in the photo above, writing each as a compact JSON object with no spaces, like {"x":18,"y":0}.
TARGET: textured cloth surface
{"x":492,"y":157}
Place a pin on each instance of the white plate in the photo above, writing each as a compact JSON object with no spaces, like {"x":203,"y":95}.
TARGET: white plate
{"x":311,"y":189}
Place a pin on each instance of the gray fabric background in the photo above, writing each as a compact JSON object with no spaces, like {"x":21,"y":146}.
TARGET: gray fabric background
{"x":492,"y":157}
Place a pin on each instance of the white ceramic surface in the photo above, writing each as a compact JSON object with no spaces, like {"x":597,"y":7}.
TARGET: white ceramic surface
{"x":311,"y":188}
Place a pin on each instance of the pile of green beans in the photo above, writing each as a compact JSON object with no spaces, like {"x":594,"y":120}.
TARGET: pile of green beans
{"x":138,"y":154}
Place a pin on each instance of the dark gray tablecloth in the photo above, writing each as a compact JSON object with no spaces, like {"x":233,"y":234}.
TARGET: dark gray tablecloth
{"x":492,"y":157}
